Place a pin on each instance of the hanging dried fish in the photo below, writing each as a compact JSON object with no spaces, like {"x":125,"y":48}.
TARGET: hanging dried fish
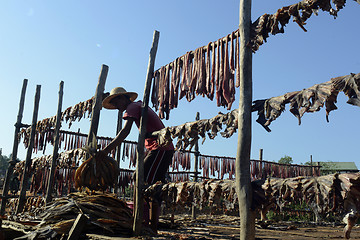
{"x":310,"y":99}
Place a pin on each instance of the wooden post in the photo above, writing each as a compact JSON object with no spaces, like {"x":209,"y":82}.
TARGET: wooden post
{"x":118,"y":148}
{"x":311,"y":164}
{"x":26,"y":173}
{"x":197,"y":153}
{"x":242,"y":169}
{"x":139,"y":180}
{"x":12,"y":161}
{"x":50,"y":183}
{"x":261,"y":163}
{"x":95,"y":115}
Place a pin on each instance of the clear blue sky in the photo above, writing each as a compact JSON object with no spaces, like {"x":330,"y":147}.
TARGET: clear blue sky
{"x":48,"y":42}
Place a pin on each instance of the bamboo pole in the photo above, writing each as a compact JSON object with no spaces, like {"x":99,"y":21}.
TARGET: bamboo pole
{"x":12,"y":161}
{"x":139,"y":180}
{"x":242,"y":169}
{"x":50,"y":183}
{"x":95,"y":115}
{"x":26,"y":173}
{"x":197,"y":153}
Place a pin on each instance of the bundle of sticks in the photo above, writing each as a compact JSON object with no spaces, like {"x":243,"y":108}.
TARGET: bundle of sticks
{"x":98,"y":172}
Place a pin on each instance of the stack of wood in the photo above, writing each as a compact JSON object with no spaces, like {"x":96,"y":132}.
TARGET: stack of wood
{"x":105,"y":214}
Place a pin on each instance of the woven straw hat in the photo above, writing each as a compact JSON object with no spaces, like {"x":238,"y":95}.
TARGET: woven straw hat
{"x":115,"y":92}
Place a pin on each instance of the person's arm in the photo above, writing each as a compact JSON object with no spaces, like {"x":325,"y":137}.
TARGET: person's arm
{"x":124,"y":132}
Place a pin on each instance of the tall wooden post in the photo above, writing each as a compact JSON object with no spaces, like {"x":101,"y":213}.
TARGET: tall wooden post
{"x":197,"y":153}
{"x":139,"y":180}
{"x":12,"y":161}
{"x":118,"y":148}
{"x":95,"y":115}
{"x":50,"y":182}
{"x":242,"y":169}
{"x":28,"y":161}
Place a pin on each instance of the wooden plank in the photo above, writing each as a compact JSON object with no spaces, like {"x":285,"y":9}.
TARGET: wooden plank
{"x":28,"y":161}
{"x":139,"y":181}
{"x":77,"y":227}
{"x":12,"y":162}
{"x":242,"y":166}
{"x":50,"y":183}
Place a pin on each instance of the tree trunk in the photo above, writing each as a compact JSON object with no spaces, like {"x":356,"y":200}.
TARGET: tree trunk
{"x":243,"y":181}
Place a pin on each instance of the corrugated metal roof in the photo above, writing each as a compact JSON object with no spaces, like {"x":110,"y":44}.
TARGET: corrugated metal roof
{"x":338,"y":165}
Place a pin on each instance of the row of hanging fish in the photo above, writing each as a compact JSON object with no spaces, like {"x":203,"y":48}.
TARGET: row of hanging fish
{"x":32,"y":203}
{"x":67,"y":163}
{"x":69,"y":115}
{"x":125,"y":179}
{"x":63,"y":181}
{"x":181,"y":159}
{"x":336,"y":193}
{"x":68,"y":140}
{"x":179,"y":177}
{"x":224,"y":167}
{"x":188,"y":134}
{"x":130,"y":152}
{"x":300,"y":12}
{"x":264,"y":169}
{"x":45,"y":127}
{"x":309,"y":100}
{"x":211,"y":71}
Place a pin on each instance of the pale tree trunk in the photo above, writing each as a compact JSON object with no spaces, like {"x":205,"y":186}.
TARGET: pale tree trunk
{"x":243,"y":181}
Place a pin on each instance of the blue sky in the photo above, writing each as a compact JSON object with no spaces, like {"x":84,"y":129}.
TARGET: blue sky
{"x":48,"y":42}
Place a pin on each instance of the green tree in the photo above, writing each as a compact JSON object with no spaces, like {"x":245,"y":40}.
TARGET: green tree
{"x":4,"y":162}
{"x":286,"y":160}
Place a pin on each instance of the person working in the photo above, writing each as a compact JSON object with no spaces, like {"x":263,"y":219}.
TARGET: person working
{"x":158,"y":159}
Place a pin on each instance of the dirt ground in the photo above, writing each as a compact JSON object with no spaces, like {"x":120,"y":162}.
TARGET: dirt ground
{"x":223,"y":227}
{"x":227,"y":227}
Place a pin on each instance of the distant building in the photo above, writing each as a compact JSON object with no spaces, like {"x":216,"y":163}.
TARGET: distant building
{"x":339,"y":167}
